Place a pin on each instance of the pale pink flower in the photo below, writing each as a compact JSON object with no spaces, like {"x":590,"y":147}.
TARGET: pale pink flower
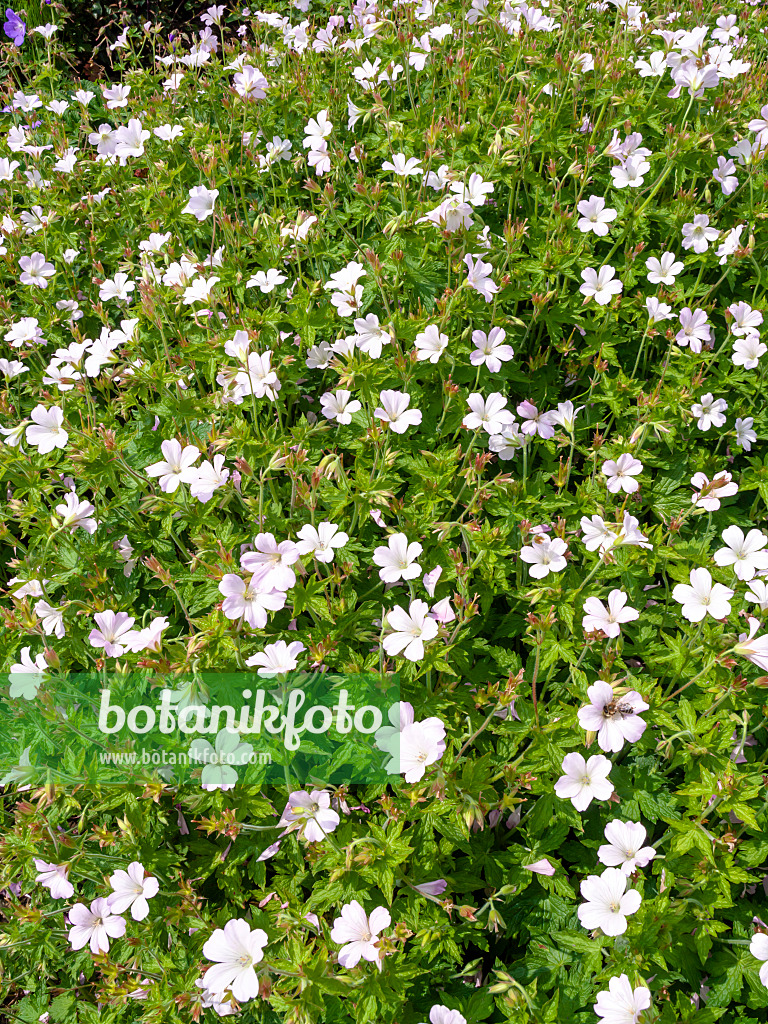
{"x":609,"y":619}
{"x":132,"y":889}
{"x":95,"y":926}
{"x":607,"y":903}
{"x":360,"y":934}
{"x":620,"y":473}
{"x":235,"y":949}
{"x":614,"y":719}
{"x":584,"y":781}
{"x":625,"y":848}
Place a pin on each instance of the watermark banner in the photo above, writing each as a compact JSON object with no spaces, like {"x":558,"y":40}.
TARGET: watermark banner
{"x":215,"y":730}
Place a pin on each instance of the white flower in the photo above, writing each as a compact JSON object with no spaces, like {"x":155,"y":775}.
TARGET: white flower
{"x":441,"y":1014}
{"x":268,"y":281}
{"x":177,"y":466}
{"x":600,"y":284}
{"x":360,"y":934}
{"x":545,"y":555}
{"x":631,"y":173}
{"x":132,"y":889}
{"x":95,"y":926}
{"x":430,"y":344}
{"x":76,"y":513}
{"x":709,"y":411}
{"x":478,"y":277}
{"x":758,"y":594}
{"x":489,"y":413}
{"x":208,"y":478}
{"x":310,"y":814}
{"x":489,"y":350}
{"x":219,"y":761}
{"x":474,"y":191}
{"x":27,"y":675}
{"x":663,"y":270}
{"x":753,"y":648}
{"x":54,"y":878}
{"x":710,"y":492}
{"x":112,"y":633}
{"x":235,"y":949}
{"x":745,"y":435}
{"x":411,"y":629}
{"x":397,"y":561}
{"x":249,"y":601}
{"x":625,"y":848}
{"x":276,"y":659}
{"x":703,"y":597}
{"x":697,"y":235}
{"x":339,"y":405}
{"x":595,"y":216}
{"x":657,"y":311}
{"x":745,"y":554}
{"x":46,"y":432}
{"x":402,"y":167}
{"x":622,"y":1004}
{"x":607,"y":903}
{"x":394,"y":411}
{"x":584,"y":781}
{"x":747,"y":351}
{"x":201,"y":202}
{"x":417,"y":746}
{"x":620,"y":473}
{"x":609,"y":619}
{"x":758,"y":947}
{"x":51,"y":619}
{"x":271,"y":562}
{"x":322,"y":541}
{"x":36,"y":270}
{"x":614,"y":719}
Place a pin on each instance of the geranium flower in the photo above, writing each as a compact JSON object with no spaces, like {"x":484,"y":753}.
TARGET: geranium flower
{"x":132,"y":890}
{"x":614,"y":719}
{"x":201,"y":202}
{"x":709,"y":492}
{"x":321,"y":541}
{"x":418,"y":745}
{"x":249,"y":601}
{"x":703,"y":597}
{"x":545,"y":555}
{"x":402,"y":167}
{"x":271,"y":562}
{"x":535,"y":422}
{"x":478,"y":276}
{"x":753,"y":648}
{"x":698,"y":234}
{"x":745,"y":554}
{"x":235,"y":948}
{"x":112,"y":632}
{"x":489,"y":413}
{"x":397,"y":560}
{"x":625,"y":848}
{"x":609,"y":620}
{"x":276,"y":659}
{"x":46,"y":431}
{"x":209,"y":477}
{"x":26,"y":675}
{"x":177,"y":466}
{"x":430,"y":344}
{"x":411,"y":630}
{"x":395,"y":412}
{"x":709,"y":411}
{"x":360,"y":934}
{"x":220,"y":760}
{"x":622,"y":1004}
{"x":95,"y":926}
{"x":584,"y":781}
{"x":595,"y":216}
{"x":36,"y":270}
{"x":310,"y":814}
{"x":55,"y":877}
{"x":76,"y":513}
{"x":758,"y":947}
{"x":600,"y":285}
{"x":442,"y":1015}
{"x":619,"y":474}
{"x":663,"y":270}
{"x":607,"y":903}
{"x":490,"y":350}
